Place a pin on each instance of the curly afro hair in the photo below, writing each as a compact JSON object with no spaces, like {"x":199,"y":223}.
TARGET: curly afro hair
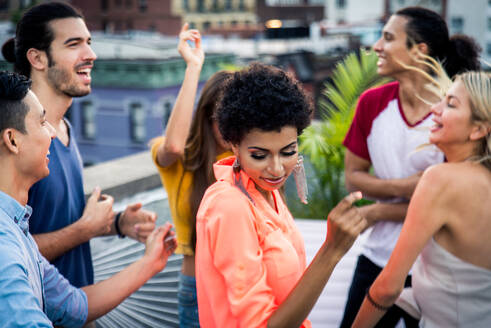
{"x":261,"y":97}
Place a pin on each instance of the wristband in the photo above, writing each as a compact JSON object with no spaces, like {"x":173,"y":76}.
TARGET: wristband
{"x":116,"y":225}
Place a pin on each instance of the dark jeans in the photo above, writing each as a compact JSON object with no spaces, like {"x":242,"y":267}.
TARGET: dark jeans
{"x":365,"y":274}
{"x":188,"y":302}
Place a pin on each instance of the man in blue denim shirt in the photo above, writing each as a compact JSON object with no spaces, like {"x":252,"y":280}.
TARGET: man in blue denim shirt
{"x":32,"y":292}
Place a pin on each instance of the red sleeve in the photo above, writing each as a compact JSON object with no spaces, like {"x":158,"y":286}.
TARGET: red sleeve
{"x":371,"y":103}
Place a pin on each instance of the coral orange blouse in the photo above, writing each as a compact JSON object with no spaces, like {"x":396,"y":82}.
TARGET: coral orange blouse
{"x":248,"y":256}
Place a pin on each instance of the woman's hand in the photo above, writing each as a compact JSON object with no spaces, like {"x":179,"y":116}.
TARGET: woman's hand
{"x":192,"y":56}
{"x":160,"y":244}
{"x":344,"y":224}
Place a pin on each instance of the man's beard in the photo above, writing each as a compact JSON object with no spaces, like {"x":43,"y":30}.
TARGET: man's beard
{"x":60,"y":79}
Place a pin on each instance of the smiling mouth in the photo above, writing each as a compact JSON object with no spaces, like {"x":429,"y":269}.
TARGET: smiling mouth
{"x":85,"y":71}
{"x":435,"y":127}
{"x":274,"y":181}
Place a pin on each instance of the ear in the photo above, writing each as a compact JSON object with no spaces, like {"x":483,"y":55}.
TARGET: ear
{"x":37,"y":58}
{"x":235,"y":150}
{"x":479,"y":131}
{"x":422,"y":48}
{"x":9,"y":140}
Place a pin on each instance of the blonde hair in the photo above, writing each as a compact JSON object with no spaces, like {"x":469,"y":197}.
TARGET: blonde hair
{"x":478,"y":86}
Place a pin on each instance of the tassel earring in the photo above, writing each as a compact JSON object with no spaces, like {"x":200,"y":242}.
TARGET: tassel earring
{"x":300,"y":180}
{"x":236,"y":165}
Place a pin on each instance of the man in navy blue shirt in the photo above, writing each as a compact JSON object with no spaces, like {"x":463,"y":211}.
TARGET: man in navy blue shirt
{"x":52,"y":47}
{"x":32,"y":292}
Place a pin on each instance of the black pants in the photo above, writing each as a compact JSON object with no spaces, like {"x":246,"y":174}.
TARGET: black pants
{"x":365,"y":274}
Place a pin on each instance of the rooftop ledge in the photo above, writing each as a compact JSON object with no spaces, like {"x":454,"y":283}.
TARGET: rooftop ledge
{"x":122,"y":177}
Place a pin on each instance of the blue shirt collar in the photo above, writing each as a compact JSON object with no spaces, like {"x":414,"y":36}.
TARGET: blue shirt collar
{"x":18,"y":213}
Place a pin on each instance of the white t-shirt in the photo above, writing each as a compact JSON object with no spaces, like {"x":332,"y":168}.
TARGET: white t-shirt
{"x":381,"y":134}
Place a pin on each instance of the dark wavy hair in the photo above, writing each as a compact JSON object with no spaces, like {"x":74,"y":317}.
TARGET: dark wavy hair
{"x":261,"y":97}
{"x":458,"y":54}
{"x":13,"y":110}
{"x":200,"y":151}
{"x":33,"y":31}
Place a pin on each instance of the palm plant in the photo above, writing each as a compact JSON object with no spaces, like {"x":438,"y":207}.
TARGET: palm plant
{"x":322,"y":141}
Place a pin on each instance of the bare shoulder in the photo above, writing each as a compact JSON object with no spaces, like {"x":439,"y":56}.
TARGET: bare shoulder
{"x":456,"y":180}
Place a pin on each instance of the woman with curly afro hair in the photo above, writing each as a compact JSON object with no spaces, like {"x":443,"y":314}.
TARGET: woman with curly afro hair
{"x":250,"y":257}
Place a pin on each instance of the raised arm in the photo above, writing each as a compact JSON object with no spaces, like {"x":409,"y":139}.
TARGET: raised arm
{"x":427,"y":213}
{"x":96,"y":220}
{"x":106,"y":295}
{"x":177,"y":130}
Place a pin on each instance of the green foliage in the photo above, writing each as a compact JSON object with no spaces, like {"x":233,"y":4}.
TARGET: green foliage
{"x":322,"y":141}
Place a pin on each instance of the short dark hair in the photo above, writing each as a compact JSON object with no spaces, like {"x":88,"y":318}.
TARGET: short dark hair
{"x":33,"y":31}
{"x":458,"y":53}
{"x":262,"y":97}
{"x":13,"y":110}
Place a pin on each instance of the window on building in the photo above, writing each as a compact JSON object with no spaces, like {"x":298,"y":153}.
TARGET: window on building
{"x":185,"y":4}
{"x":104,"y":5}
{"x":25,"y":3}
{"x":201,"y":6}
{"x":137,"y":122}
{"x":88,"y":119}
{"x":489,"y":23}
{"x":142,"y":5}
{"x":488,"y":49}
{"x":206,"y":25}
{"x":489,"y":3}
{"x":228,"y":5}
{"x":457,"y":24}
{"x":215,"y":6}
{"x":340,"y":4}
{"x":241,"y":5}
{"x":4,"y":5}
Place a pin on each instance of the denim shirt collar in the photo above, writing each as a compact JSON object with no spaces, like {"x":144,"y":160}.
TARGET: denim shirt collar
{"x":18,"y":213}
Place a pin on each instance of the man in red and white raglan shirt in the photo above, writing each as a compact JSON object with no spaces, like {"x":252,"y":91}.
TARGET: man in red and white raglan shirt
{"x":381,"y":135}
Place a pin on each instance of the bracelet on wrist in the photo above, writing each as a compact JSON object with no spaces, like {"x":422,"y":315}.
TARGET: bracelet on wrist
{"x":116,"y":225}
{"x":375,"y":304}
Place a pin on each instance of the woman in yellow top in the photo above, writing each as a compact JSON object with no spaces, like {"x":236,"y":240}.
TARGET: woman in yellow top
{"x":184,"y":159}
